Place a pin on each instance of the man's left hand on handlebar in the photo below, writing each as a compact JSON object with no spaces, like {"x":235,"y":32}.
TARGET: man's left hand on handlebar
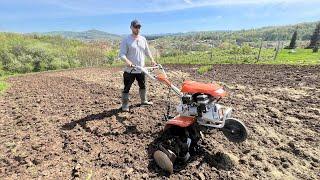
{"x":153,"y":63}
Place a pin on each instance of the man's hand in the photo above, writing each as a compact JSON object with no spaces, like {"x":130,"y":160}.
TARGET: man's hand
{"x":129,"y":63}
{"x":153,"y":63}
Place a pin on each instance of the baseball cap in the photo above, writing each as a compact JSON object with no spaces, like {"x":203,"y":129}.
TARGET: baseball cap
{"x":135,"y":23}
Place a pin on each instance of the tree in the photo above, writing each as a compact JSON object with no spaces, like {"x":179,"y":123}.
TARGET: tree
{"x":315,"y":38}
{"x":293,"y":41}
{"x":316,"y":47}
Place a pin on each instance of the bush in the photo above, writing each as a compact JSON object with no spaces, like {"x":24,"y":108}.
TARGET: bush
{"x":37,"y":52}
{"x":15,"y":66}
{"x":57,"y":63}
{"x":73,"y":62}
{"x":25,"y":59}
{"x":18,"y":50}
{"x":90,"y":56}
{"x":2,"y":72}
{"x":225,"y":45}
{"x":6,"y":59}
{"x":25,"y":53}
{"x":41,"y":58}
{"x":111,"y":56}
{"x":36,"y":65}
{"x":246,"y":49}
{"x":65,"y":65}
{"x":25,"y":68}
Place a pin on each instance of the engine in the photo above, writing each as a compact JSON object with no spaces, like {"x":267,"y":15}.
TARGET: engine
{"x":200,"y":105}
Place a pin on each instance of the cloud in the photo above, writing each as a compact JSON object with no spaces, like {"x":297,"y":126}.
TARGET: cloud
{"x":62,"y":8}
{"x":188,"y":1}
{"x":94,"y":7}
{"x":136,"y":6}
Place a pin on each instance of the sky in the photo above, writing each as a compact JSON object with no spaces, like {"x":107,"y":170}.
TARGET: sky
{"x":156,"y":16}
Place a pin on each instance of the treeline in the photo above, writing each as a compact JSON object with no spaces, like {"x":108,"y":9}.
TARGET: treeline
{"x":274,"y":33}
{"x":268,"y":37}
{"x":33,"y":53}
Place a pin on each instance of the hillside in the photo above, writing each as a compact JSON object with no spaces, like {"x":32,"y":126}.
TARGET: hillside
{"x":85,"y":35}
{"x":270,"y":33}
{"x":32,"y":53}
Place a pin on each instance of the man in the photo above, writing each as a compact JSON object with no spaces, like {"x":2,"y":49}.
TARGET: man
{"x":133,"y":50}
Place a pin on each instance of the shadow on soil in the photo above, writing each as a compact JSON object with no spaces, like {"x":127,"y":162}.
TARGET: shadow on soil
{"x":100,"y":116}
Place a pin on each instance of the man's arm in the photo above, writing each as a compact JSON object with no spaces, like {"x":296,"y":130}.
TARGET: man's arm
{"x":124,"y":51}
{"x":148,"y":53}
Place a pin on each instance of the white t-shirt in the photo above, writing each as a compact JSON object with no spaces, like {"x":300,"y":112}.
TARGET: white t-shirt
{"x":134,"y":49}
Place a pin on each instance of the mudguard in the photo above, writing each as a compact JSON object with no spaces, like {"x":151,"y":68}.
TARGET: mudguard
{"x":181,"y":121}
{"x":213,"y":89}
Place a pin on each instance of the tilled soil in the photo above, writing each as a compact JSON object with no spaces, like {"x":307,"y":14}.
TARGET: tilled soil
{"x":67,"y":124}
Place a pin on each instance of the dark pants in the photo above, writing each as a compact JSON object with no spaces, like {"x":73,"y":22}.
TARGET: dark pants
{"x":128,"y":79}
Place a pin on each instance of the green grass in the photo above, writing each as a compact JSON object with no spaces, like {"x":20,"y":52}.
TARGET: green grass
{"x":116,"y":63}
{"x":217,"y":56}
{"x":3,"y":84}
{"x":223,"y":56}
{"x":204,"y":69}
{"x":300,"y":57}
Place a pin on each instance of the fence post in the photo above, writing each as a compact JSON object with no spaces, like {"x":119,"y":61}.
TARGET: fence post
{"x":259,"y":49}
{"x":277,"y":50}
{"x":179,"y":51}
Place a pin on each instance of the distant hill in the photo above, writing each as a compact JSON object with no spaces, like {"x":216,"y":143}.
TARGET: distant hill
{"x":270,"y":33}
{"x":85,"y":35}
